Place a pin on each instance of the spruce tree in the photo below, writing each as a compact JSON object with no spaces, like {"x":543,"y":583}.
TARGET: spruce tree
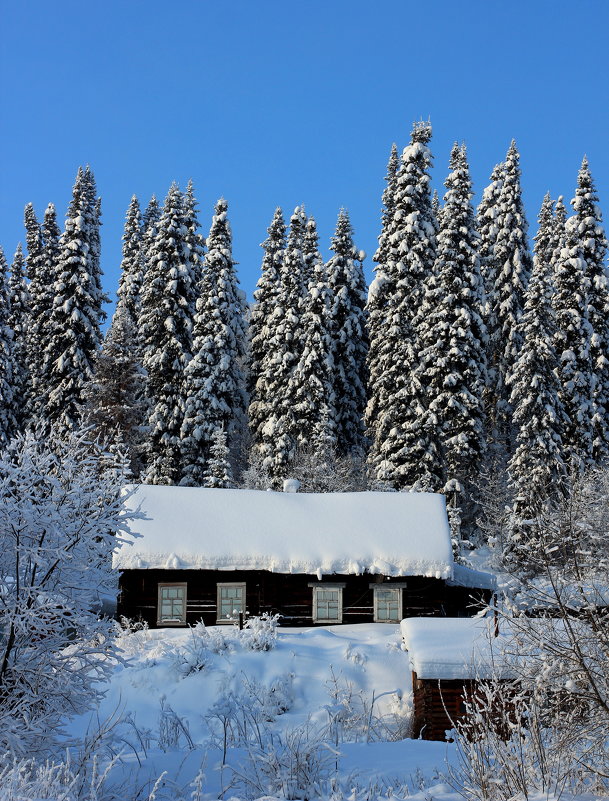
{"x":166,"y":331}
{"x":400,"y":449}
{"x":194,"y":239}
{"x":260,"y":329}
{"x":218,"y":471}
{"x":7,"y":419}
{"x":349,"y":334}
{"x":33,"y":265}
{"x":380,"y":296}
{"x":508,"y":270}
{"x":588,"y":229}
{"x":113,"y":396}
{"x":73,"y":332}
{"x":537,"y":470}
{"x":573,"y":340}
{"x":41,"y":288}
{"x":130,"y":280}
{"x":93,"y":222}
{"x":486,"y":223}
{"x":214,"y":384}
{"x":436,"y":210}
{"x":278,"y":433}
{"x":310,"y":383}
{"x":19,"y":323}
{"x":150,"y":222}
{"x":151,"y":214}
{"x":310,"y":251}
{"x":452,"y":371}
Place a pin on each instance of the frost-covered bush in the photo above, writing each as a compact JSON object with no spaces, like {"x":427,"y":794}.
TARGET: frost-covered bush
{"x":173,"y":730}
{"x":197,"y":653}
{"x":65,"y":780}
{"x":354,"y":716}
{"x":511,"y":745}
{"x":61,"y":515}
{"x":299,"y":764}
{"x":132,"y":636}
{"x":260,"y":633}
{"x":246,"y":707}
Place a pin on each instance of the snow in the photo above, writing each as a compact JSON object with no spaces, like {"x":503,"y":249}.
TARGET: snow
{"x":395,"y":534}
{"x":456,"y":648}
{"x":469,"y":577}
{"x":316,"y":671}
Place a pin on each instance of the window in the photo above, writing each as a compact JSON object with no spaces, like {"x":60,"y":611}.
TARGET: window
{"x":387,"y":603}
{"x":231,"y":601}
{"x":327,"y":603}
{"x":171,"y":609}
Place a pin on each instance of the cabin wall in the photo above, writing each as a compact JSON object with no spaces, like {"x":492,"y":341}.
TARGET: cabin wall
{"x":438,"y":706}
{"x":289,"y":595}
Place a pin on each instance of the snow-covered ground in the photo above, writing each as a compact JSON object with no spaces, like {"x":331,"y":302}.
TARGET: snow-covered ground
{"x":326,"y":705}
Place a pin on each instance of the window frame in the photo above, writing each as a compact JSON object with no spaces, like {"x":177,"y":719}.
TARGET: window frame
{"x":399,"y":586}
{"x":160,"y":587}
{"x":339,"y":587}
{"x":219,"y":585}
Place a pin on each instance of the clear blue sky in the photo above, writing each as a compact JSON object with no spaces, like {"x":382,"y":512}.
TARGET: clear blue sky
{"x":272,"y":103}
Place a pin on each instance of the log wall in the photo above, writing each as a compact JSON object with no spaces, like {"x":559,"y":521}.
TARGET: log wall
{"x":290,"y":595}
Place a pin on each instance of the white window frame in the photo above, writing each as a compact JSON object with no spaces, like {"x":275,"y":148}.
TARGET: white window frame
{"x":339,"y":587}
{"x":219,"y":586}
{"x":399,"y":586}
{"x":165,"y":585}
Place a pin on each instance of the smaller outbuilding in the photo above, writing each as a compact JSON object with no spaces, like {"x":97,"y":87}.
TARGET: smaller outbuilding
{"x":448,"y":657}
{"x":312,"y":558}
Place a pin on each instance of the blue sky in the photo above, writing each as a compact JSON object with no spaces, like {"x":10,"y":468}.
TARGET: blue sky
{"x":275,"y":103}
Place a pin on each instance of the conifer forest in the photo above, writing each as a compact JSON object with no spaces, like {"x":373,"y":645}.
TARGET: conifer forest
{"x":471,"y":361}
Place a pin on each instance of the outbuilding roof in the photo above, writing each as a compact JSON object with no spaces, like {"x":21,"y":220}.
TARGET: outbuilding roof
{"x":389,"y":533}
{"x":456,"y":647}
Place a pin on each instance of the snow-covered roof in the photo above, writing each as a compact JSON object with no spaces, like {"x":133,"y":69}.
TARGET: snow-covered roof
{"x":469,"y":577}
{"x":457,"y":647}
{"x":391,"y":533}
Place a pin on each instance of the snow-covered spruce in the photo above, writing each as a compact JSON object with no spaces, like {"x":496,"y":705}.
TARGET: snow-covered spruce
{"x":194,"y":238}
{"x":218,"y":470}
{"x":114,"y":403}
{"x":166,"y":332}
{"x":73,"y":332}
{"x":213,"y":383}
{"x":537,"y":468}
{"x":587,"y":227}
{"x":19,"y":322}
{"x":452,"y":335}
{"x":130,"y":280}
{"x":260,"y":331}
{"x":399,"y":446}
{"x":486,"y":224}
{"x":43,"y":280}
{"x":573,"y":338}
{"x":33,"y":267}
{"x":277,"y":434}
{"x":380,"y":296}
{"x":310,"y":383}
{"x":507,"y":269}
{"x":345,"y":277}
{"x":7,"y":419}
{"x":150,"y":221}
{"x":310,"y":248}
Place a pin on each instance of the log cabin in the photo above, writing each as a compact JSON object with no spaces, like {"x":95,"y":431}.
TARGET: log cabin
{"x":448,"y":657}
{"x":313,"y":558}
